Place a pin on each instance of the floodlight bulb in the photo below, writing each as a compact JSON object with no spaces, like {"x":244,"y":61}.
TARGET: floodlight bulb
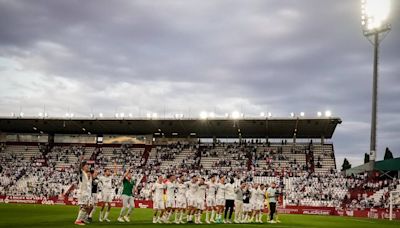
{"x":319,"y":114}
{"x":235,"y":115}
{"x":262,"y":114}
{"x":203,"y":115}
{"x":328,"y":113}
{"x":154,"y":115}
{"x":101,"y":115}
{"x":374,"y":13}
{"x":211,"y":115}
{"x":302,"y":114}
{"x":292,"y":114}
{"x":269,"y":114}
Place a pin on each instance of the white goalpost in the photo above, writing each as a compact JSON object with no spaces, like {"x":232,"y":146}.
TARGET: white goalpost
{"x":394,"y":199}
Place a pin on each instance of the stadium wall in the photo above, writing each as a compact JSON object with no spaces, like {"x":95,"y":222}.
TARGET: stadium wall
{"x":375,"y":213}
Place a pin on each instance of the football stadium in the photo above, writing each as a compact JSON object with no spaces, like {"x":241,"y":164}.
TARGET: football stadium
{"x":147,"y":154}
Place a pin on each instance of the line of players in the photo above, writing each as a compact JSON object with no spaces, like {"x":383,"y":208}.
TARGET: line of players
{"x":178,"y":197}
{"x":215,"y":198}
{"x":88,"y":196}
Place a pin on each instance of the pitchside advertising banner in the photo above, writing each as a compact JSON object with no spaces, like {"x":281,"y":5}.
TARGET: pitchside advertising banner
{"x":367,"y":213}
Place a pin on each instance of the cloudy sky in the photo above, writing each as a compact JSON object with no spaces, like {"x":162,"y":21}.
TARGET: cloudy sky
{"x":188,"y":56}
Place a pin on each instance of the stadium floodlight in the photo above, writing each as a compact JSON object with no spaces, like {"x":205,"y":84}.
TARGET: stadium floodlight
{"x":130,"y":115}
{"x":375,"y":26}
{"x":154,"y":115}
{"x":46,"y":115}
{"x":328,"y":113}
{"x":71,"y":115}
{"x":101,"y":115}
{"x":236,"y":115}
{"x":12,"y":114}
{"x":292,"y":114}
{"x":211,"y":115}
{"x":122,"y":115}
{"x":116,"y":115}
{"x":319,"y":114}
{"x":91,"y":115}
{"x":21,"y":114}
{"x":178,"y":116}
{"x":40,"y":114}
{"x":374,"y":15}
{"x":269,"y":114}
{"x":148,"y":115}
{"x":302,"y":114}
{"x":203,"y":115}
{"x":226,"y":115}
{"x":262,"y":114}
{"x":67,"y":114}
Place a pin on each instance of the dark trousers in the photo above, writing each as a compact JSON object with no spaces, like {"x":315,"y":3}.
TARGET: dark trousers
{"x":229,"y":204}
{"x":272,"y":210}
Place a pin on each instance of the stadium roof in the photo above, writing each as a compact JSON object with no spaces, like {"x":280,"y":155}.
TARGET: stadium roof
{"x":209,"y":128}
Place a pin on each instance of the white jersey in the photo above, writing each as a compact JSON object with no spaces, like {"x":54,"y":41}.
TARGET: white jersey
{"x":106,"y":184}
{"x":193,"y":187}
{"x":171,"y":187}
{"x":212,"y":190}
{"x":253,"y":194}
{"x":182,"y":189}
{"x":260,"y":195}
{"x":158,"y":191}
{"x":201,"y":192}
{"x":220,"y":191}
{"x":85,"y":184}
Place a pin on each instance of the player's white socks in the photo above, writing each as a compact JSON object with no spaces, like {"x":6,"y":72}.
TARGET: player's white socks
{"x":129,"y":211}
{"x":260,"y":217}
{"x":180,"y":216}
{"x":121,"y":213}
{"x":81,"y":215}
{"x":207,"y":216}
{"x":92,"y":212}
{"x":106,"y":215}
{"x":212,"y":215}
{"x":189,"y":217}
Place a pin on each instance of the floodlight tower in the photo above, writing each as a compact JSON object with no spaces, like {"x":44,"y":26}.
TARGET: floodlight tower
{"x":374,"y":21}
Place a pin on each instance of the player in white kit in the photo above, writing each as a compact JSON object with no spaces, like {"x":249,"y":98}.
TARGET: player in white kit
{"x":158,"y":201}
{"x":220,"y":199}
{"x":85,"y":191}
{"x":193,"y":186}
{"x":181,"y":204}
{"x":253,"y":201}
{"x":200,"y":197}
{"x":260,"y":203}
{"x":210,"y":200}
{"x":170,"y":203}
{"x":106,"y":193}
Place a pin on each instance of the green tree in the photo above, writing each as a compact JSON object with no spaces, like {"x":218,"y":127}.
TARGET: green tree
{"x":366,"y":158}
{"x":346,"y":165}
{"x":388,"y":154}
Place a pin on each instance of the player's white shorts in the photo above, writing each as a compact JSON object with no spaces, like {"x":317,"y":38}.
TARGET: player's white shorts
{"x":127,"y":201}
{"x":181,"y":202}
{"x":259,"y":206}
{"x":247,"y":207}
{"x":158,"y":204}
{"x":253,"y":205}
{"x":106,"y":197}
{"x":83,"y":199}
{"x":200,"y":204}
{"x":211,"y":202}
{"x":170,"y":203}
{"x":220,"y":202}
{"x":94,"y":199}
{"x":192,"y":202}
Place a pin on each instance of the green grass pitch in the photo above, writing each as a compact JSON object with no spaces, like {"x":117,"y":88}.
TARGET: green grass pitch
{"x":22,"y":215}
